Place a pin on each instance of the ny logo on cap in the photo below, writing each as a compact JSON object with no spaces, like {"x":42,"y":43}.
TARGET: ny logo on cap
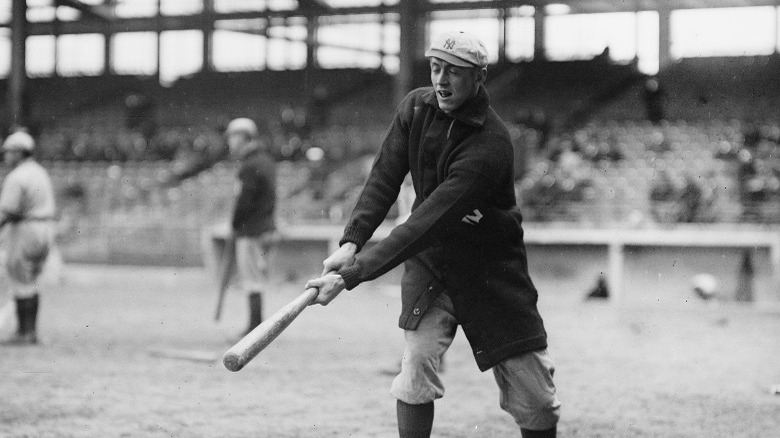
{"x":449,"y":44}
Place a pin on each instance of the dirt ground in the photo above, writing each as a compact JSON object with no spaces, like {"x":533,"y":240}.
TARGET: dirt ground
{"x":681,"y":370}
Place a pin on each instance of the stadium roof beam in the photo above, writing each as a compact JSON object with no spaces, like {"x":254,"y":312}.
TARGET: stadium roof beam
{"x":311,"y":8}
{"x":314,"y":5}
{"x":98,"y":12}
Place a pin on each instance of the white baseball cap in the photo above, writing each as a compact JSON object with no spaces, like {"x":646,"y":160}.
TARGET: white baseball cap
{"x":243,"y":125}
{"x":459,"y":48}
{"x":19,"y":141}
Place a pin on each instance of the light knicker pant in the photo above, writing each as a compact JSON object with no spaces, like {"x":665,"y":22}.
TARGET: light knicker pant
{"x":28,"y":246}
{"x":525,"y":382}
{"x":252,"y":262}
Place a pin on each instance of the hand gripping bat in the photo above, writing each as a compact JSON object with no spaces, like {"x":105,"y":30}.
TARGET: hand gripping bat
{"x":255,"y":341}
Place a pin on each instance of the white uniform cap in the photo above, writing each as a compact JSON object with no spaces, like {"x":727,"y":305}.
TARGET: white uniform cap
{"x":243,"y":125}
{"x":459,"y":48}
{"x":19,"y":141}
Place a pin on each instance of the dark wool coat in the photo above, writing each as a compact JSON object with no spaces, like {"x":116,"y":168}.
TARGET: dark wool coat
{"x":464,"y":235}
{"x":253,"y":213}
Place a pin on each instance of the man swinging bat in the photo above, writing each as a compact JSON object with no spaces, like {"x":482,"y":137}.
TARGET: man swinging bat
{"x":462,"y":246}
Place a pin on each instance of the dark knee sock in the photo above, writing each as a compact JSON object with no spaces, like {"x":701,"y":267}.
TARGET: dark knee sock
{"x":32,"y":325}
{"x":414,"y":421}
{"x":549,"y":433}
{"x":21,"y":316}
{"x":27,"y":314}
{"x":255,"y":310}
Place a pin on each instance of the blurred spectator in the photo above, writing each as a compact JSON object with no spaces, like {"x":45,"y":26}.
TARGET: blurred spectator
{"x":604,"y":56}
{"x":551,"y":186}
{"x":600,"y":290}
{"x":74,"y":206}
{"x":759,"y":178}
{"x":566,"y":156}
{"x":537,"y":120}
{"x":664,"y":188}
{"x":657,"y":142}
{"x":318,"y":108}
{"x":140,"y":114}
{"x":690,"y":201}
{"x":320,"y":165}
{"x":664,"y":197}
{"x":654,"y":100}
{"x":606,"y":151}
{"x":287,"y":120}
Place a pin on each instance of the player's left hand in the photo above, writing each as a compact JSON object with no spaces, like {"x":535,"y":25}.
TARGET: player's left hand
{"x":329,"y":286}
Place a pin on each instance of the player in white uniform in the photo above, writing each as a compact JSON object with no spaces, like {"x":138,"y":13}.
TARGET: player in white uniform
{"x":27,"y":214}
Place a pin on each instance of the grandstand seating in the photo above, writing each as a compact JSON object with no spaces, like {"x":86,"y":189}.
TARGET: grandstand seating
{"x":605,"y":174}
{"x":601,"y":174}
{"x":626,"y":188}
{"x":592,"y":160}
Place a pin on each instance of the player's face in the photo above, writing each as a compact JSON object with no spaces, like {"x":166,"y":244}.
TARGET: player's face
{"x":12,"y":158}
{"x":236,"y":143}
{"x":453,"y":84}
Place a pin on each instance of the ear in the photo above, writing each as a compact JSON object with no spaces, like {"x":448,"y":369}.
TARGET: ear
{"x":481,"y":76}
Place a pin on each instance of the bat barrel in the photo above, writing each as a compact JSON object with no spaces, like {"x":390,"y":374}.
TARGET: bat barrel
{"x":255,"y":341}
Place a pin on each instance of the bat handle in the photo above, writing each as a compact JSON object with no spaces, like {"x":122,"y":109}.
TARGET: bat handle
{"x":261,"y":336}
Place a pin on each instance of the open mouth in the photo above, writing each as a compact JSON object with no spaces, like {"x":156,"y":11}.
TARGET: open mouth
{"x":444,"y":93}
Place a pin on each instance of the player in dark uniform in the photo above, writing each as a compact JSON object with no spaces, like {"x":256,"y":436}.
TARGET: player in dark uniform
{"x":253,"y":225}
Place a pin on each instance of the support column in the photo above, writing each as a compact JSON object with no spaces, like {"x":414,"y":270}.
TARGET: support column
{"x":777,"y":29}
{"x":664,"y":39}
{"x":107,"y":52}
{"x":158,"y":17}
{"x":17,"y":80}
{"x":540,"y":51}
{"x":503,"y":35}
{"x":208,"y":35}
{"x":312,"y":41}
{"x":411,"y":50}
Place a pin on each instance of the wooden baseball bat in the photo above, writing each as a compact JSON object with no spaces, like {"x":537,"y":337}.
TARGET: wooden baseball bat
{"x":255,"y":341}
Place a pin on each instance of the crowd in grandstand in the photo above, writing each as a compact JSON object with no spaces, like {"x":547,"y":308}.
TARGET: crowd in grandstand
{"x":629,"y":172}
{"x":667,"y":173}
{"x":638,"y":171}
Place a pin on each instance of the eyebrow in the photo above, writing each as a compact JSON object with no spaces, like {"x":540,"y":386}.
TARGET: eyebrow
{"x":444,"y":64}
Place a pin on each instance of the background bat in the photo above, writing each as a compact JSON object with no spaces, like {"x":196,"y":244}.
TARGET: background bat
{"x":262,"y":335}
{"x":226,"y":267}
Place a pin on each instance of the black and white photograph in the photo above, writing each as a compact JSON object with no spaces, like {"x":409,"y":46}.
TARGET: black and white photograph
{"x":389,"y":218}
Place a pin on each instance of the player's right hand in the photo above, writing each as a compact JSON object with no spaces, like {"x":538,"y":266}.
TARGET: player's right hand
{"x":329,"y":287}
{"x":342,"y":257}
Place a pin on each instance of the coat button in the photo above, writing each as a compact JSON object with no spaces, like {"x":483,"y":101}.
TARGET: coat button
{"x":416,"y":311}
{"x":430,"y":288}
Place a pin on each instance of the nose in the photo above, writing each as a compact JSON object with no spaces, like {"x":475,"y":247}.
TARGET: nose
{"x":441,"y":78}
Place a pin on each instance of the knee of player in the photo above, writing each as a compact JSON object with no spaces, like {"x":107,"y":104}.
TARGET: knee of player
{"x":540,"y":413}
{"x":421,"y":355}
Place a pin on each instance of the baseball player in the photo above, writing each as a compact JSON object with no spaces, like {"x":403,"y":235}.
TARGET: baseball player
{"x":253,"y":226}
{"x":27,"y":214}
{"x":462,"y":246}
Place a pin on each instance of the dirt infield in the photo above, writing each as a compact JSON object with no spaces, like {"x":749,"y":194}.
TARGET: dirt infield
{"x":134,"y":352}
